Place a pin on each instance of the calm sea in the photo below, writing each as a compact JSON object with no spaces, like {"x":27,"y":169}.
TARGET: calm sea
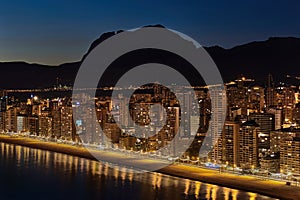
{"x":27,"y":173}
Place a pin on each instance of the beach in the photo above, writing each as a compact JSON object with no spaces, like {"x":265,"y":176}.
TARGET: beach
{"x":276,"y":189}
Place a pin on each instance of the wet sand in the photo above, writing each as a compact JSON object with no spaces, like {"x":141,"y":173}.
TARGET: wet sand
{"x":270,"y":188}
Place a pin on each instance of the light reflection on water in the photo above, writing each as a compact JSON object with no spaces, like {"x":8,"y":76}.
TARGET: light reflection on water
{"x":78,"y":178}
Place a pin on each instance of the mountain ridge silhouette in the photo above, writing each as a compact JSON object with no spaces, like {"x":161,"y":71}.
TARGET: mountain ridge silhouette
{"x":276,"y":55}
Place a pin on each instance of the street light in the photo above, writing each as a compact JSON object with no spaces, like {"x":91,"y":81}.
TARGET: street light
{"x":281,"y":174}
{"x":226,"y":164}
{"x":252,"y":168}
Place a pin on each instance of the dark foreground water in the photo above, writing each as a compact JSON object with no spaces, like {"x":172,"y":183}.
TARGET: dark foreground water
{"x":27,"y":173}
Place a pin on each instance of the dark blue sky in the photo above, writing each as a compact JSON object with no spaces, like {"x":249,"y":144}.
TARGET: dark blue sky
{"x":57,"y":31}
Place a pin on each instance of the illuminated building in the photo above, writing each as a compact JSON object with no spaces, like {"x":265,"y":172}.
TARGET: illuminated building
{"x":21,"y":123}
{"x":218,"y":101}
{"x":248,"y":136}
{"x":290,"y":155}
{"x":33,"y":125}
{"x":121,"y":112}
{"x":127,"y":142}
{"x":266,"y":124}
{"x":277,"y":112}
{"x":11,"y":119}
{"x":275,"y":138}
{"x":45,"y":123}
{"x":186,"y":105}
{"x":230,"y":143}
{"x":226,"y":151}
{"x":239,"y":96}
{"x":270,"y":92}
{"x":256,"y":98}
{"x":56,"y":120}
{"x":286,"y":101}
{"x":296,"y":114}
{"x":270,"y":163}
{"x":66,"y":122}
{"x":112,"y":132}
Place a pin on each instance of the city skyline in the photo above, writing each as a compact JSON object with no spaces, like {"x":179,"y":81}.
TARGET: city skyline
{"x":172,"y":99}
{"x":260,"y":137}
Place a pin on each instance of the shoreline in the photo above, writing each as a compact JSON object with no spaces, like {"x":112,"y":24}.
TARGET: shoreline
{"x":270,"y":188}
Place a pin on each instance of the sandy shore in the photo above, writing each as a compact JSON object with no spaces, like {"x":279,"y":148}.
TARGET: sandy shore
{"x":270,"y":188}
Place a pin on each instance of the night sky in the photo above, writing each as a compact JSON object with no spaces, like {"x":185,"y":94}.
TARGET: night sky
{"x":55,"y":31}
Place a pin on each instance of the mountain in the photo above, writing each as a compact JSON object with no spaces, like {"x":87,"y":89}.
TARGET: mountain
{"x":22,"y":75}
{"x":277,"y":55}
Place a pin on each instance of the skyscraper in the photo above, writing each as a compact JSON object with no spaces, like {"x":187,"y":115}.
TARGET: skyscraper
{"x":218,"y":102}
{"x":266,"y":124}
{"x":248,"y":136}
{"x":230,"y":143}
{"x":270,"y":92}
{"x":277,"y":112}
{"x":289,"y":155}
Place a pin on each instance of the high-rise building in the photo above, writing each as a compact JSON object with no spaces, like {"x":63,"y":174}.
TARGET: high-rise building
{"x":277,"y":112}
{"x":270,"y":92}
{"x":66,"y":122}
{"x":242,"y":97}
{"x":230,"y":143}
{"x":289,"y":155}
{"x":33,"y":125}
{"x":56,"y":118}
{"x":218,"y":108}
{"x":256,"y":98}
{"x":22,"y":123}
{"x":120,"y":110}
{"x":232,"y":100}
{"x":91,"y":130}
{"x":266,"y":124}
{"x":3,"y":103}
{"x":112,"y":132}
{"x":185,"y":100}
{"x":248,"y":136}
{"x":205,"y":107}
{"x":45,"y":123}
{"x":11,"y":119}
{"x":265,"y":121}
{"x":276,"y":137}
{"x":270,"y":163}
{"x":296,"y":114}
{"x":286,"y":101}
{"x":288,"y":104}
